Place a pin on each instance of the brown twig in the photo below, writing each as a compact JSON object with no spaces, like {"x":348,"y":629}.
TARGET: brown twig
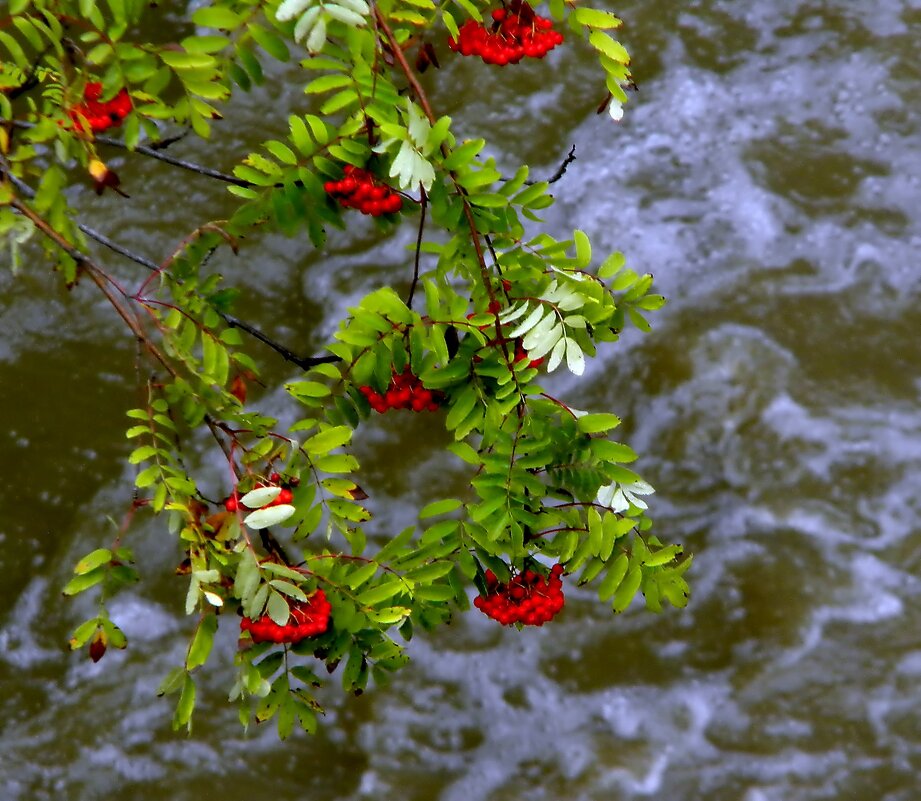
{"x":427,"y":108}
{"x":99,"y":277}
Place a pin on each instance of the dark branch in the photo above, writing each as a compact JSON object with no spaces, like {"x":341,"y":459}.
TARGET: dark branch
{"x":154,"y":153}
{"x":561,"y":170}
{"x":423,"y":200}
{"x":304,"y":362}
{"x":144,"y":150}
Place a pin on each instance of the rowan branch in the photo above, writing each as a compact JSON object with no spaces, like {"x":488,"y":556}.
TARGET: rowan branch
{"x":423,"y":200}
{"x":154,"y":153}
{"x":304,"y":362}
{"x":427,"y":108}
{"x":561,"y":170}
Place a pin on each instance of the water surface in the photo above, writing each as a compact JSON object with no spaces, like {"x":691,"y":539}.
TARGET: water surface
{"x":767,"y":174}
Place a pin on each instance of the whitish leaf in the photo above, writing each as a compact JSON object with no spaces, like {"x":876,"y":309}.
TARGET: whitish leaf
{"x":529,"y":322}
{"x":575,"y":360}
{"x":289,"y":9}
{"x":402,"y":164}
{"x":358,"y":6}
{"x":543,"y":329}
{"x":263,"y":518}
{"x":606,"y":494}
{"x":213,"y":598}
{"x":423,"y":172}
{"x":260,"y":497}
{"x":305,"y":24}
{"x":277,"y":608}
{"x":513,"y":312}
{"x":559,"y":350}
{"x":346,"y":15}
{"x":417,"y":125}
{"x":289,"y":589}
{"x":317,"y":37}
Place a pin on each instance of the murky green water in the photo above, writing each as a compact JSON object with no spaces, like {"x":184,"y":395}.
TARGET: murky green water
{"x":768,"y":174}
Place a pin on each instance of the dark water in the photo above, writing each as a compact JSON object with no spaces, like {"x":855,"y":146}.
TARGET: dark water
{"x":767,"y":173}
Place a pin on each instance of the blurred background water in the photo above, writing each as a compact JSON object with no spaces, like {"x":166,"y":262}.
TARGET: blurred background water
{"x":767,"y":173}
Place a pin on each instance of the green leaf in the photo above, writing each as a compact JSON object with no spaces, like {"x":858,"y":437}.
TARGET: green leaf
{"x":82,"y":633}
{"x":186,"y":61}
{"x":430,"y":572}
{"x":327,"y":83}
{"x":308,"y":389}
{"x":594,"y":423}
{"x":607,"y":46}
{"x":614,"y":577}
{"x":439,"y":508}
{"x":359,"y":576}
{"x":200,"y":648}
{"x":383,"y":592}
{"x":612,"y":451}
{"x":663,"y":556}
{"x":583,"y":248}
{"x":389,"y":615}
{"x":627,"y":590}
{"x":186,"y":705}
{"x":593,"y":18}
{"x":217,"y":17}
{"x":172,"y":682}
{"x":269,"y":42}
{"x":91,"y":561}
{"x":326,"y":440}
{"x":84,"y":581}
{"x":464,"y":154}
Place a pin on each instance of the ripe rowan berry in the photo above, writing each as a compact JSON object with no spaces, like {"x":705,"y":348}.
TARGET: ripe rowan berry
{"x":405,"y":391}
{"x":307,"y":619}
{"x":528,"y":597}
{"x":360,"y":190}
{"x":100,"y":116}
{"x":515,"y":33}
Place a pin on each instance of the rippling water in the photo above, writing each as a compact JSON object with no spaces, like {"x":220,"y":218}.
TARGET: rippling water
{"x":767,"y":173}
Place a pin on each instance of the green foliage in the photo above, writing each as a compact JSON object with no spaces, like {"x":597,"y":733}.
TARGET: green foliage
{"x":502,"y":304}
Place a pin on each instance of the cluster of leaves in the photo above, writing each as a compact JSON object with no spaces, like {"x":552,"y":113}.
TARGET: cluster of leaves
{"x":547,"y":483}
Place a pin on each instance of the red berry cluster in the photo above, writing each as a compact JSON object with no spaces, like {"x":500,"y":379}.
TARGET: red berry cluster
{"x":521,"y":354}
{"x":361,"y":190}
{"x":405,"y":392}
{"x":516,"y":33}
{"x":307,"y":619}
{"x":100,"y":116}
{"x":232,"y":504}
{"x":528,"y":598}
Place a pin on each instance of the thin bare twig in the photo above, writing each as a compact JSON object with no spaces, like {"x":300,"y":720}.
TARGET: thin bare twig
{"x":561,"y":170}
{"x":423,"y":200}
{"x":304,"y":362}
